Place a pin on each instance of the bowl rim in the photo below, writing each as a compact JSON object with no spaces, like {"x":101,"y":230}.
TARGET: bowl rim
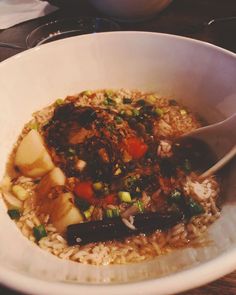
{"x":180,"y":281}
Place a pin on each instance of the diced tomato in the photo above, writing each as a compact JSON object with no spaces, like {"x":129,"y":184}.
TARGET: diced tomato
{"x":136,"y":147}
{"x":84,"y":190}
{"x":110,"y":199}
{"x":93,"y":95}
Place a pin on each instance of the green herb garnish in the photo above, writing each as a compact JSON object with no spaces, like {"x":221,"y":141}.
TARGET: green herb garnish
{"x":118,"y":119}
{"x":127,"y":100}
{"x":39,"y":232}
{"x":14,"y":213}
{"x":59,"y":101}
{"x":109,"y":102}
{"x":135,"y":112}
{"x":34,"y":126}
{"x":140,"y":206}
{"x":195,"y":208}
{"x":176,"y":197}
{"x":110,"y":213}
{"x":159,"y":112}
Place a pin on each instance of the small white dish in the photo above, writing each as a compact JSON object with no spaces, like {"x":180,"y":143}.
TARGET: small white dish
{"x":130,"y":10}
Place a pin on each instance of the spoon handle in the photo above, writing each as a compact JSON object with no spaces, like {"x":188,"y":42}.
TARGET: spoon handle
{"x":223,"y":128}
{"x":219,"y":164}
{"x":12,"y":46}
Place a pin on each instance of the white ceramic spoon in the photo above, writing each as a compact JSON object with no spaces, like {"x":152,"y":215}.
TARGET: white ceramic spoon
{"x":221,"y":138}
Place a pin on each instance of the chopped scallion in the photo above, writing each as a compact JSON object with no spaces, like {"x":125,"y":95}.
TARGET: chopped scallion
{"x":110,"y":213}
{"x":115,"y":212}
{"x":109,"y":102}
{"x":195,"y":208}
{"x":39,"y":232}
{"x":59,"y":101}
{"x":88,"y":212}
{"x":159,"y":112}
{"x":71,"y":151}
{"x":14,"y":213}
{"x":175,"y":197}
{"x":140,"y":206}
{"x":34,"y":126}
{"x":135,"y":112}
{"x":87,"y":92}
{"x":118,"y":119}
{"x":127,"y":100}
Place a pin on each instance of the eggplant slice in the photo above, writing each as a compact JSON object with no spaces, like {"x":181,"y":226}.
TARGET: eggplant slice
{"x":115,"y":229}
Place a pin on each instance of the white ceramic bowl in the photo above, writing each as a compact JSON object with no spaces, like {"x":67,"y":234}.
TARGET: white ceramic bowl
{"x":130,"y":10}
{"x":200,"y":75}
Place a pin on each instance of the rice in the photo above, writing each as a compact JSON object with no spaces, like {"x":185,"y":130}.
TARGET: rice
{"x":175,"y":121}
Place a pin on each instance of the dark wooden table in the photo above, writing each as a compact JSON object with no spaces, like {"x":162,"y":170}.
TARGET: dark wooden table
{"x":182,"y":17}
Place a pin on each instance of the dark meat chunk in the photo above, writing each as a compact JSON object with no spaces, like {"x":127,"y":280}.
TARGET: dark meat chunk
{"x":114,"y":228}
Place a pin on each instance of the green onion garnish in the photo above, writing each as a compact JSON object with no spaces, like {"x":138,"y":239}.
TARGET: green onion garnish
{"x":59,"y":101}
{"x":127,"y":100}
{"x":88,"y":212}
{"x":71,"y":151}
{"x":140,"y":206}
{"x":109,"y":102}
{"x":115,"y":212}
{"x":14,"y":213}
{"x":135,"y":112}
{"x":159,"y":112}
{"x":34,"y":126}
{"x":39,"y":232}
{"x":175,"y":197}
{"x":118,"y":119}
{"x":195,"y":208}
{"x":110,"y":213}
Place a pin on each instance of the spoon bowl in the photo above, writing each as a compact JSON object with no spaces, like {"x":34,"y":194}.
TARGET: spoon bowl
{"x":221,"y":138}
